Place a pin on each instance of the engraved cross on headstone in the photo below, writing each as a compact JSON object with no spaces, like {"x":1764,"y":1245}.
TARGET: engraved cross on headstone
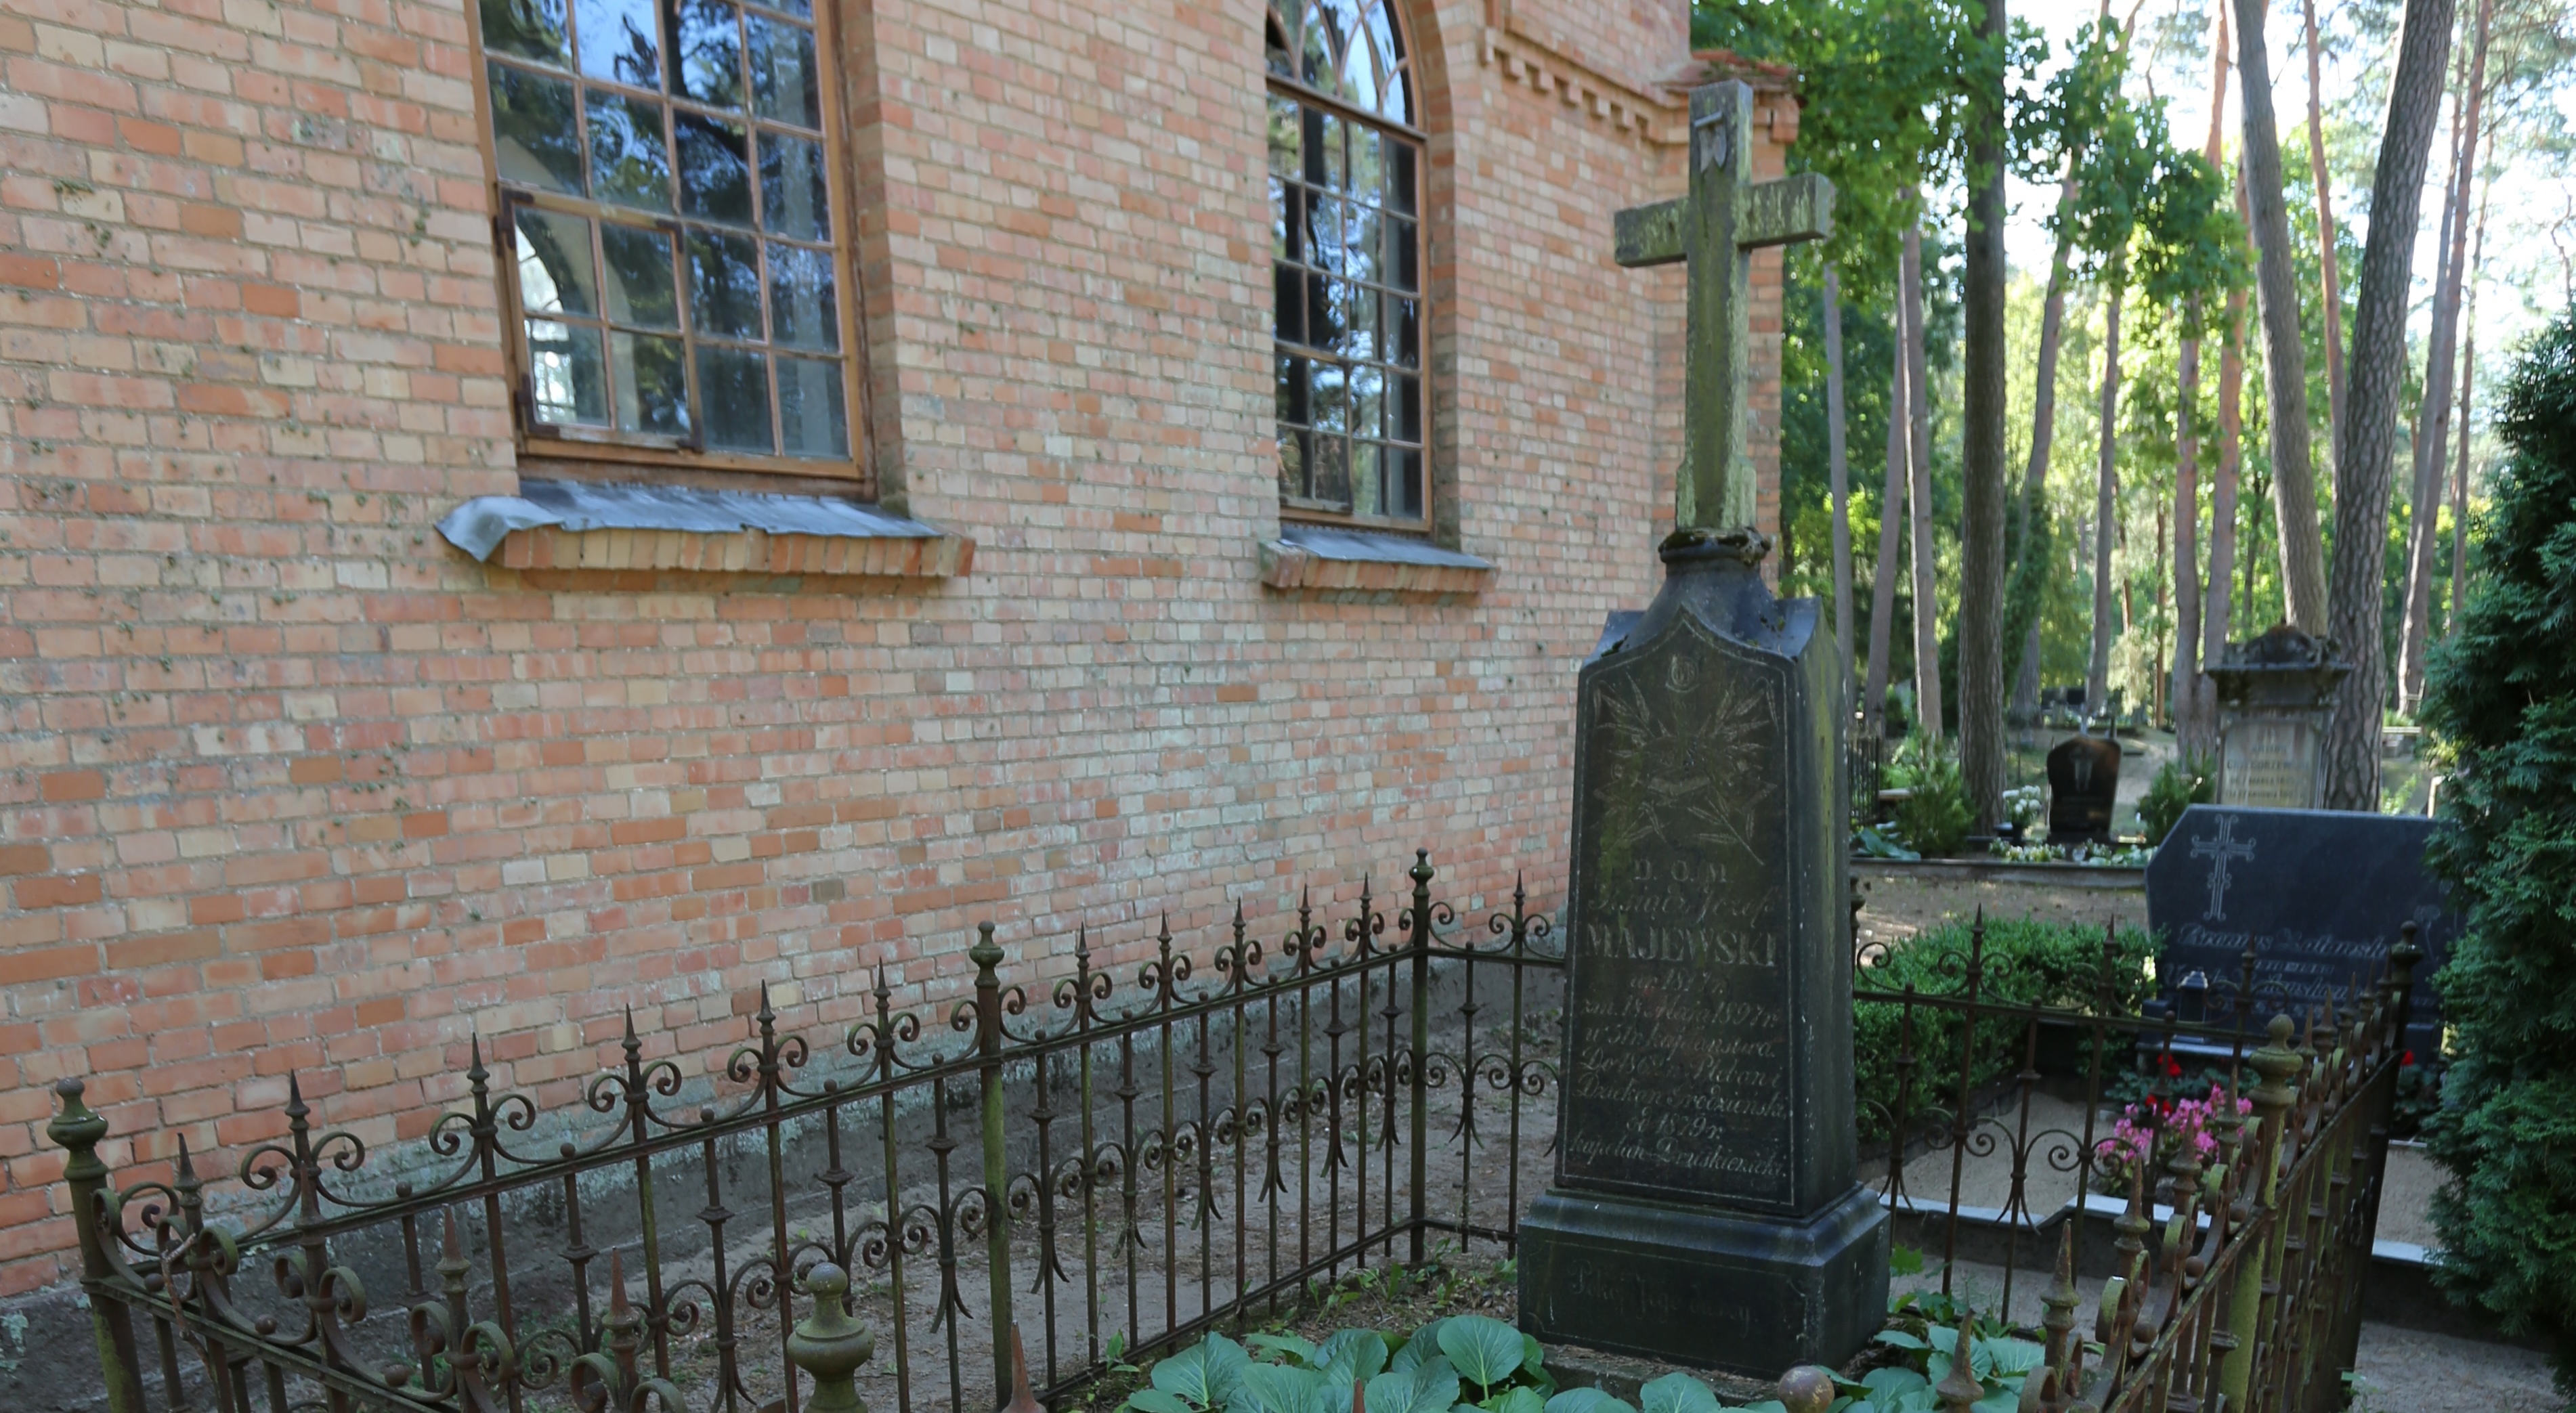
{"x":2220,"y":848}
{"x":1716,"y":228}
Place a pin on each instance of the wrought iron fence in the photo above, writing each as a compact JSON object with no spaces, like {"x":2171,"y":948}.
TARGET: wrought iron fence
{"x":2265,"y":1206}
{"x":1141,"y":1160}
{"x":1146,"y":1158}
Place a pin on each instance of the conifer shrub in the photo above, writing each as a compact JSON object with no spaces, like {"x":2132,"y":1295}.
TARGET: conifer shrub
{"x":2500,"y":709}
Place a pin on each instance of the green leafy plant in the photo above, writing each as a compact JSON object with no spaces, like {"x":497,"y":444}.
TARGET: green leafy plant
{"x":1933,"y":817}
{"x":2500,"y":716}
{"x":1875,"y":842}
{"x":1461,"y":1364}
{"x":1998,"y":1362}
{"x":2027,"y":962}
{"x":2177,"y":786}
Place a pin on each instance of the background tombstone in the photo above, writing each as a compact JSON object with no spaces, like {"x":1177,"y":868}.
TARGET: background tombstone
{"x":2318,"y":895}
{"x":2275,"y":695}
{"x":2083,"y":785}
{"x":1705,"y":1209}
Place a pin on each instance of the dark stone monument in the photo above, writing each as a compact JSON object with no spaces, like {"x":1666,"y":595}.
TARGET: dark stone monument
{"x":2275,"y":696}
{"x":2083,"y":784}
{"x":1705,"y":1209}
{"x":2317,"y":894}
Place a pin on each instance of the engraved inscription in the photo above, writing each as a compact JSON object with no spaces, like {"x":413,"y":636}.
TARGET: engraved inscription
{"x":2271,"y":763}
{"x":1679,"y":1079}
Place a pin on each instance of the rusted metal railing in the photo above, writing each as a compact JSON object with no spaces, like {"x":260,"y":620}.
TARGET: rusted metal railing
{"x":1149,"y":1160}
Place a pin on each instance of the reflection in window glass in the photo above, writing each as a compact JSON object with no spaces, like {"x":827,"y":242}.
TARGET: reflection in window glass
{"x":1347,"y":262}
{"x":783,"y":83}
{"x":812,"y":420}
{"x":802,"y":310}
{"x":724,"y":284}
{"x":629,"y":162}
{"x":526,"y":29}
{"x":555,"y":274}
{"x":535,"y":140}
{"x":715,"y":176}
{"x":652,"y":385}
{"x":621,"y":41}
{"x":707,"y":115}
{"x":733,"y":385}
{"x":793,"y":197}
{"x":638,"y":284}
{"x":566,"y":374}
{"x":708,"y":56}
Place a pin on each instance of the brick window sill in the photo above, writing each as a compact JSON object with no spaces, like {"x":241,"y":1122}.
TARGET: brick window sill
{"x":559,"y":525}
{"x":1329,"y":559}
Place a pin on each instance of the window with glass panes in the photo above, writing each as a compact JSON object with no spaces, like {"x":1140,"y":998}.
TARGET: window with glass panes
{"x":1346,"y":175}
{"x":668,"y":174}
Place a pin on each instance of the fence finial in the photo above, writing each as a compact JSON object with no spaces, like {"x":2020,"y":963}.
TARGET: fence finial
{"x":829,"y":1345}
{"x":1806,"y":1389}
{"x":1959,"y":1389}
{"x":1022,"y":1401}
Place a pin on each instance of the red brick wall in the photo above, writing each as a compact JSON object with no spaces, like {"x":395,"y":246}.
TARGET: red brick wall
{"x":292,"y":785}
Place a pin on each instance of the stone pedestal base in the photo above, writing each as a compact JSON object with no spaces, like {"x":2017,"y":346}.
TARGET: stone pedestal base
{"x":1723,"y":1290}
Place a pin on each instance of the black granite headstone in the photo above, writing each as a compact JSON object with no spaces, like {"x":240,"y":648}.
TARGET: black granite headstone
{"x":2318,"y":895}
{"x":2083,"y":784}
{"x":1705,"y":1208}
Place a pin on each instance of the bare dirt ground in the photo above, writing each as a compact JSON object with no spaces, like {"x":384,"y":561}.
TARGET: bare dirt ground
{"x":1893,"y":908}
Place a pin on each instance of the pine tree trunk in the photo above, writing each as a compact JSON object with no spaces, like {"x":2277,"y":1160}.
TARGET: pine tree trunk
{"x":2106,"y":490}
{"x":1918,"y":399}
{"x":2468,"y":381}
{"x":2217,"y":614}
{"x":1981,"y":458}
{"x":2326,"y":256}
{"x":2423,"y":509}
{"x":2195,"y":696}
{"x":2043,"y":425}
{"x":1891,"y":515}
{"x":1840,"y":470}
{"x":2377,"y":372}
{"x":2182,"y":688}
{"x":2285,"y":364}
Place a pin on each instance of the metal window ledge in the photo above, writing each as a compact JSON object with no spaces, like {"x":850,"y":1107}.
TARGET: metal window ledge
{"x":1330,"y":559}
{"x":578,"y":525}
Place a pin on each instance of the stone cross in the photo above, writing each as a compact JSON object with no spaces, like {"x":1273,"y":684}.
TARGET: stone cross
{"x":1716,"y":228}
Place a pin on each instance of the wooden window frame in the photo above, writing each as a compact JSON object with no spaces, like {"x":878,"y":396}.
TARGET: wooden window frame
{"x":606,"y":450}
{"x":1312,"y":511}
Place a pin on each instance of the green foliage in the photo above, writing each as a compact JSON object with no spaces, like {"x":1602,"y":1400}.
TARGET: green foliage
{"x":2177,"y":786}
{"x":1435,"y":1370}
{"x":2500,"y":710}
{"x":1933,"y":819}
{"x":1999,"y":1362}
{"x":2026,"y":962}
{"x":1881,"y":106}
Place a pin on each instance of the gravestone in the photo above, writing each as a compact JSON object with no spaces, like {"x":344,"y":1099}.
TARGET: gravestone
{"x":2317,"y":894}
{"x":1704,"y":1209}
{"x":2083,"y":785}
{"x":2275,"y":696}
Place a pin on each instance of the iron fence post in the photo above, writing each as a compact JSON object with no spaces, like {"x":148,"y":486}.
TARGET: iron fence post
{"x":831,"y":1346}
{"x":2279,"y":1065}
{"x":77,"y":1131}
{"x":1422,"y":1046}
{"x":987,"y":955}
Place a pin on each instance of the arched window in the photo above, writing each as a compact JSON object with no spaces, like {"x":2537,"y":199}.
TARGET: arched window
{"x":1346,"y":196}
{"x":669,"y":178}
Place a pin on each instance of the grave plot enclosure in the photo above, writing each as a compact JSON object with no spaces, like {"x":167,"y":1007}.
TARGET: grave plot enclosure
{"x":1107,"y":1162}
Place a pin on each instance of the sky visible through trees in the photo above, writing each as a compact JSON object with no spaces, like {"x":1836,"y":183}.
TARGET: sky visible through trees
{"x":2520,"y":227}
